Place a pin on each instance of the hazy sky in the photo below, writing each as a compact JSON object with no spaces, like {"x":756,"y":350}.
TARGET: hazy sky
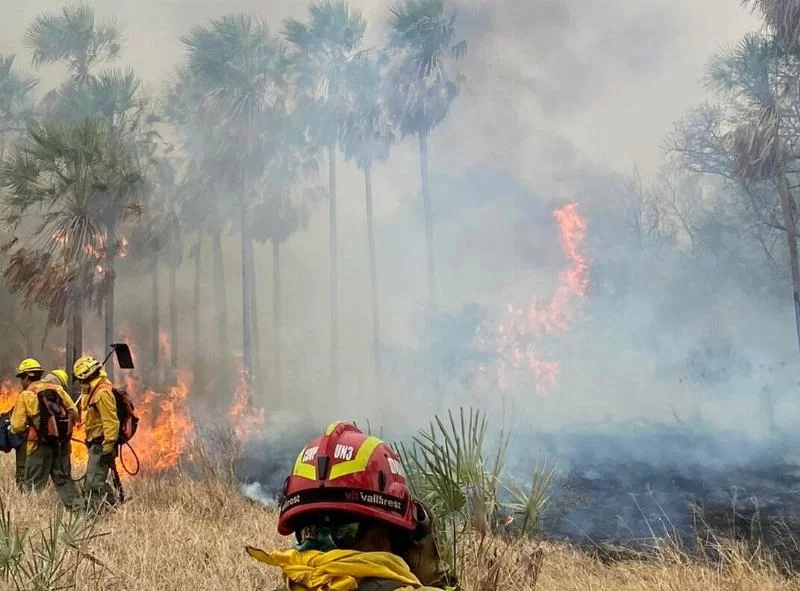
{"x":553,"y":79}
{"x":556,"y":88}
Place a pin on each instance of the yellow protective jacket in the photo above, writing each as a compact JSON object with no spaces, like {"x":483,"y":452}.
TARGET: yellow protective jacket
{"x":99,"y":412}
{"x":338,"y":570}
{"x":26,"y":410}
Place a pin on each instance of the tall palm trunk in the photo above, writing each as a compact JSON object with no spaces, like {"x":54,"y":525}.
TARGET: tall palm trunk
{"x":220,"y":294}
{"x":257,"y":368}
{"x":787,"y":205}
{"x":276,"y":318}
{"x":334,"y":270}
{"x":196,"y":298}
{"x":69,"y":355}
{"x":173,"y":322}
{"x":247,"y":300}
{"x":75,"y":326}
{"x":77,"y":337}
{"x":426,"y":201}
{"x":221,"y":313}
{"x":373,"y":272}
{"x":29,"y":331}
{"x":154,"y":326}
{"x":109,"y":307}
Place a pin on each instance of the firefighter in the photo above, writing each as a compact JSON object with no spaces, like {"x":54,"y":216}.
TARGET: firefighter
{"x":99,"y":413}
{"x":45,"y":458}
{"x":57,"y":376}
{"x":33,"y":368}
{"x":356,"y":524}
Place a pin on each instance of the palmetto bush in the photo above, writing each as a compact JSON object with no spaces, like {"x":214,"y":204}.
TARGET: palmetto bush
{"x":476,"y":507}
{"x":51,"y":558}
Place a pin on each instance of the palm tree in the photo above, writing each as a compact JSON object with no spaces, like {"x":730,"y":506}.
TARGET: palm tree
{"x":68,"y":174}
{"x":16,"y":103}
{"x":422,"y":87}
{"x":202,"y":208}
{"x":117,"y":98}
{"x":783,"y":17}
{"x":74,"y":37}
{"x":322,"y":51}
{"x":156,"y":237}
{"x":367,"y":136}
{"x":760,"y":81}
{"x":282,"y":209}
{"x":278,"y":217}
{"x":241,"y":69}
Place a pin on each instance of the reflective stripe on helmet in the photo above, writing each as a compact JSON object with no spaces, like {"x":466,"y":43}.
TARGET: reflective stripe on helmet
{"x":359,"y":463}
{"x":303,"y":470}
{"x":331,"y":427}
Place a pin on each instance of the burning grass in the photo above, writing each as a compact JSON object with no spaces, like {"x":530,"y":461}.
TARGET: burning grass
{"x":167,"y":428}
{"x":178,"y":533}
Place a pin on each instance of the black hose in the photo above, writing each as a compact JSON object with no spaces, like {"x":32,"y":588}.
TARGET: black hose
{"x":122,"y":461}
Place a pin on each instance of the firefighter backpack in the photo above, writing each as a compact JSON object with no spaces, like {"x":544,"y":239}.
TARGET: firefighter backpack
{"x":128,"y":421}
{"x":55,"y":422}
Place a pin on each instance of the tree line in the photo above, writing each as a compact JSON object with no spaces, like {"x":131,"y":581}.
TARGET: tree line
{"x":235,"y":141}
{"x":239,"y":139}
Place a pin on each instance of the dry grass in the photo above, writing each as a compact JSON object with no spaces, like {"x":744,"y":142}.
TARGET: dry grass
{"x":181,"y":534}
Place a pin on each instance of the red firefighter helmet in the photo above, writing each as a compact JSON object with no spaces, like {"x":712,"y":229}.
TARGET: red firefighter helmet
{"x":346,"y":472}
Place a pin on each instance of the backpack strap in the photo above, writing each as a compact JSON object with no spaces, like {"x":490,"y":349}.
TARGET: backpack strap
{"x":100,"y":382}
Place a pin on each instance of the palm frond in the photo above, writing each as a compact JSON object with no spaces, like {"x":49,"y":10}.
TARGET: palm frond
{"x":15,"y":99}
{"x":367,"y":129}
{"x":756,"y":149}
{"x":72,"y":35}
{"x":783,"y":17}
{"x":746,"y":70}
{"x":423,"y":82}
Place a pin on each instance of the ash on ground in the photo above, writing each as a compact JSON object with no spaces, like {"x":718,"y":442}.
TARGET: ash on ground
{"x":628,"y":485}
{"x":625,"y":488}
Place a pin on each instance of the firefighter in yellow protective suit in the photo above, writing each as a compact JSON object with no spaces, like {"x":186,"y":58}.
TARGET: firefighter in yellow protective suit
{"x":356,"y":524}
{"x":33,"y":369}
{"x":99,"y":412}
{"x":44,"y":459}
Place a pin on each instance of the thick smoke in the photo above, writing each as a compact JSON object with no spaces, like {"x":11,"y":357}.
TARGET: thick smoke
{"x":561,"y":98}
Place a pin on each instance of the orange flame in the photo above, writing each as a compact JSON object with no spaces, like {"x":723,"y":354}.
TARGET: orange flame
{"x":164,"y":433}
{"x":244,"y":418}
{"x":8,"y":395}
{"x":512,"y":338}
{"x":166,"y":426}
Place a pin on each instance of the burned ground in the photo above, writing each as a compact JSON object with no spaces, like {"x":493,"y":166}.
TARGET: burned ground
{"x":615,"y":492}
{"x":614,"y":498}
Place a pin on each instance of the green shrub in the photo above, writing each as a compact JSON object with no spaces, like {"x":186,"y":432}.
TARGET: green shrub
{"x":450,"y":470}
{"x":49,"y":560}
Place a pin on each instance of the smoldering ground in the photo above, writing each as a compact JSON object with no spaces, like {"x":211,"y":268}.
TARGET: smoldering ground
{"x":560,"y":96}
